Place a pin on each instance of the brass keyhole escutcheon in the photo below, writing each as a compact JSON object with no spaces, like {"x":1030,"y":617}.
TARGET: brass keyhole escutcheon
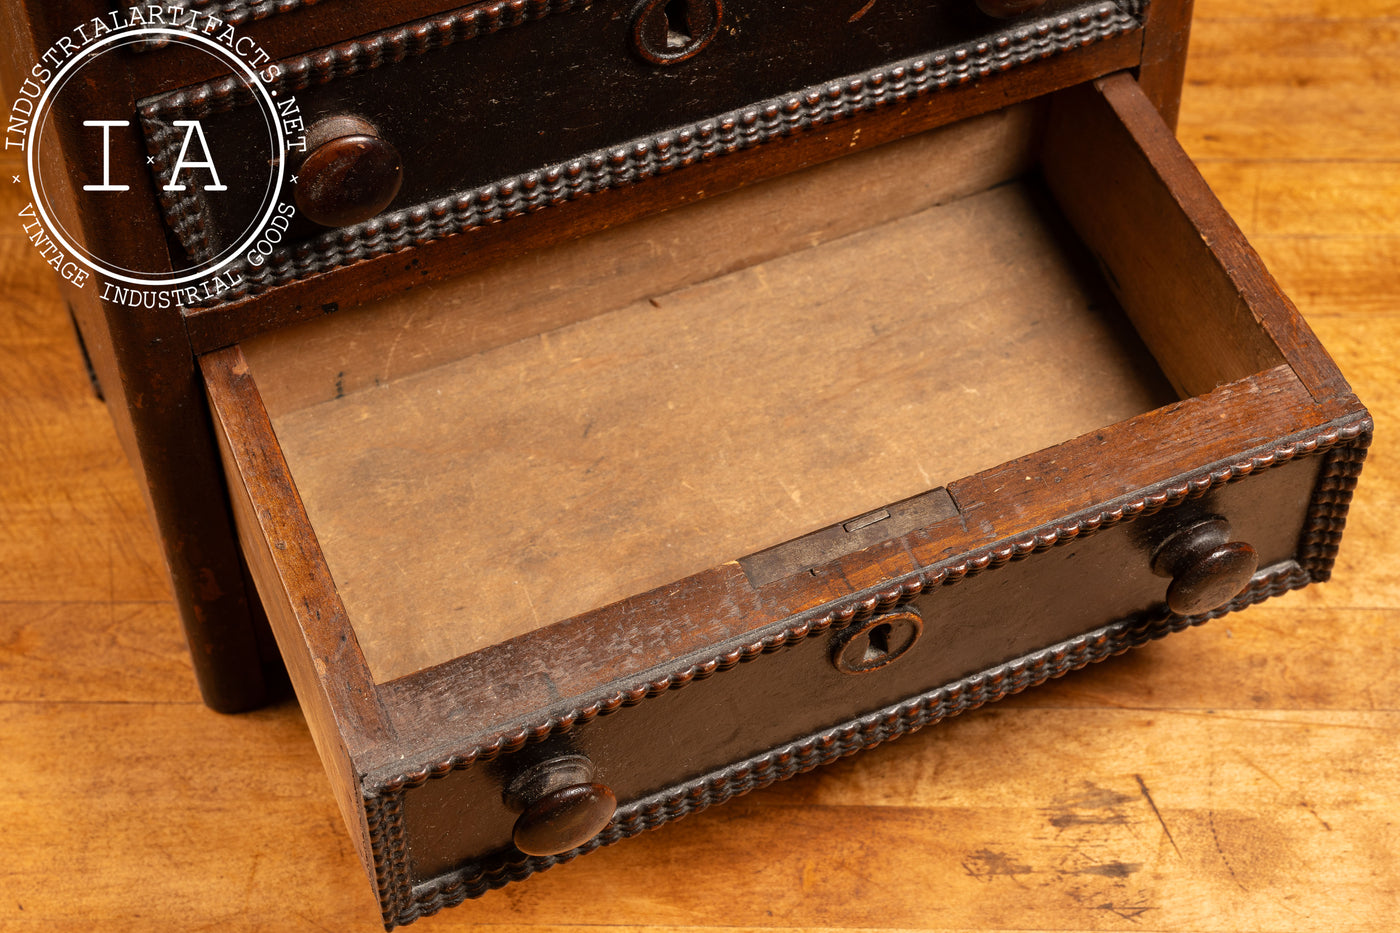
{"x":666,"y":32}
{"x":880,"y":640}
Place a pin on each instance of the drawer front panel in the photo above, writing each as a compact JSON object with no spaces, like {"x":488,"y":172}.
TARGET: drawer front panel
{"x":495,"y":92}
{"x":458,"y":827}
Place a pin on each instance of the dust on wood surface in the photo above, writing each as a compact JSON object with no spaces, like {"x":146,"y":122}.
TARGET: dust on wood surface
{"x":632,"y":449}
{"x":1238,"y":776}
{"x":550,"y":288}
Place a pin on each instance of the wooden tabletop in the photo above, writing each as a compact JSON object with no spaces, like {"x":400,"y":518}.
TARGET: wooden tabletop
{"x":1241,"y":776}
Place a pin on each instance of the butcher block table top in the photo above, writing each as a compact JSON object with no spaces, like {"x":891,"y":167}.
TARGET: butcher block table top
{"x":1240,"y":776}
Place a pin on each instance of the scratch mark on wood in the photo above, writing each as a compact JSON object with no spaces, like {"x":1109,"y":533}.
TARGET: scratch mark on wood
{"x":1077,"y":819}
{"x":111,"y":589}
{"x":1142,"y":785}
{"x":1309,"y":807}
{"x":1111,"y":869}
{"x":309,"y":922}
{"x":533,"y":611}
{"x":1127,"y":913}
{"x":1210,"y":818}
{"x":1266,"y":775}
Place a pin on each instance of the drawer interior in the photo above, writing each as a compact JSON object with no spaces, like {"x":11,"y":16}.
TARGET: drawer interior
{"x":623,"y":411}
{"x":1040,"y":326}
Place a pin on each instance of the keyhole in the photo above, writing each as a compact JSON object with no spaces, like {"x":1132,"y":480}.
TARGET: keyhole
{"x":667,"y":32}
{"x":678,"y":24}
{"x":879,"y":644}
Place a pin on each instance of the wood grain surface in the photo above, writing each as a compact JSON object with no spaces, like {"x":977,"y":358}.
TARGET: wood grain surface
{"x":1242,"y":776}
{"x":710,"y":418}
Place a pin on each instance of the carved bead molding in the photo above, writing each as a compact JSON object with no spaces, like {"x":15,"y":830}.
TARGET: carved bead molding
{"x":187,"y":215}
{"x":237,"y":12}
{"x":616,"y":167}
{"x":1327,"y":515}
{"x":1343,"y":445}
{"x":232,"y":12}
{"x":823,"y":748}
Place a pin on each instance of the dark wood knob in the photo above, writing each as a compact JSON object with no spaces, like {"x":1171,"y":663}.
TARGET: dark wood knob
{"x":565,"y":819}
{"x":1207,"y":568}
{"x":349,"y":174}
{"x":1005,"y":9}
{"x":562,"y":806}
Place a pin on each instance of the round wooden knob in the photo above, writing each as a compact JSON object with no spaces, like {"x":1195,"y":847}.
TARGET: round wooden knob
{"x":1207,"y":568}
{"x":562,"y":806}
{"x":1005,"y":9}
{"x":564,"y":819}
{"x":349,"y":174}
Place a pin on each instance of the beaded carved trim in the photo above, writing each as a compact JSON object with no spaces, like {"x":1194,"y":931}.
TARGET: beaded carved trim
{"x":1327,"y":513}
{"x":616,"y":167}
{"x":827,"y":746}
{"x":1343,"y":445}
{"x":1312,"y":557}
{"x":186,"y":216}
{"x":389,"y":849}
{"x":231,"y":12}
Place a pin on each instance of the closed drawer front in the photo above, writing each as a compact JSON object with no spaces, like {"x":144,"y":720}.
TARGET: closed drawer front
{"x":502,"y":108}
{"x":508,"y":578}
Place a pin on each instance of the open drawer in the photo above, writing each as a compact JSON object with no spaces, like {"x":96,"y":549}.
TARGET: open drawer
{"x":590,"y":540}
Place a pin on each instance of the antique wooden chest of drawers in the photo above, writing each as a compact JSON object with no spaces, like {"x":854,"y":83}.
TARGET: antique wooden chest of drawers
{"x":640,"y":403}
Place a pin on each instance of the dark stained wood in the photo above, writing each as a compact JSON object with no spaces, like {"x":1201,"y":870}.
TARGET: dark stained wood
{"x":1016,"y":499}
{"x":469,"y":154}
{"x":1147,"y":456}
{"x":1190,"y":204}
{"x":1166,"y":35}
{"x":282,"y":30}
{"x":392,"y":273}
{"x":1206,"y":782}
{"x":1206,"y":567}
{"x":408,"y":756}
{"x":564,"y":819}
{"x":718,"y":606}
{"x":665,"y":32}
{"x":1008,"y":8}
{"x":350,"y":173}
{"x":800,"y":703}
{"x":145,"y":358}
{"x":144,"y":363}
